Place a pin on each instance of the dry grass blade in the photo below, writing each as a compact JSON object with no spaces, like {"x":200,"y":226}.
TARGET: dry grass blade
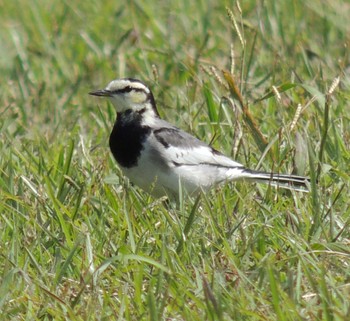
{"x":327,"y":106}
{"x":249,"y":119}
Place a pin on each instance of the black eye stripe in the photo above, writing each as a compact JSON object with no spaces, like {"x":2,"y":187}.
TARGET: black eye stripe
{"x":128,"y":89}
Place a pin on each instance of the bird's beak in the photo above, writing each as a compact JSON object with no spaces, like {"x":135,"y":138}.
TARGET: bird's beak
{"x":100,"y":93}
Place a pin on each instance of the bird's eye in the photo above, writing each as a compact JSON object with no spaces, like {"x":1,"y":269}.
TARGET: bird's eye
{"x":126,"y":89}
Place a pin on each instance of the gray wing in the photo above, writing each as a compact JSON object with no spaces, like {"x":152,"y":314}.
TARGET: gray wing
{"x":172,"y":136}
{"x":181,"y":148}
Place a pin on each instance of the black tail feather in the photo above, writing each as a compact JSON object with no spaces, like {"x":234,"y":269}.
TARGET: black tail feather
{"x":294,"y":182}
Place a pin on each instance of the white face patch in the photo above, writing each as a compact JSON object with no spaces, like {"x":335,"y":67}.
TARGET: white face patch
{"x":138,"y":97}
{"x":128,"y":94}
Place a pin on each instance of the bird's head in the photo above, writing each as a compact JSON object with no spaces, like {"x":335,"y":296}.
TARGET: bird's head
{"x":128,"y":94}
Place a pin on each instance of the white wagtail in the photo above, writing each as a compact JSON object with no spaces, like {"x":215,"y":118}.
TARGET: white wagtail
{"x":158,"y":156}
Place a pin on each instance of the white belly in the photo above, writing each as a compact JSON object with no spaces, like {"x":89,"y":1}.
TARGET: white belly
{"x":159,"y":181}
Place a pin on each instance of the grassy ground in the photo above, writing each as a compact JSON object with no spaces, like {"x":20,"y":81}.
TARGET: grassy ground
{"x":79,"y":243}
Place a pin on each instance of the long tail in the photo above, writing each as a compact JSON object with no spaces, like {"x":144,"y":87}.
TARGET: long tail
{"x":293,"y":182}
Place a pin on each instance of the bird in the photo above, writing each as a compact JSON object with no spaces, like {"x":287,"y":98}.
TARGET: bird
{"x":162,"y":159}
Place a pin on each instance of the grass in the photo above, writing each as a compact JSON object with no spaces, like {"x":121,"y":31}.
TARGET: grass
{"x":78,"y":242}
